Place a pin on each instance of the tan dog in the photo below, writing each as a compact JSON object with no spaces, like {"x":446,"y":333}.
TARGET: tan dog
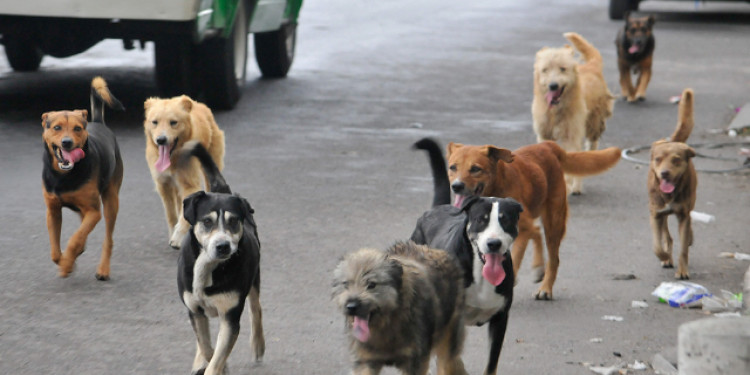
{"x":635,"y":51}
{"x":672,"y":183}
{"x":400,"y":306}
{"x":169,"y":124}
{"x":532,"y":175}
{"x":571,"y":100}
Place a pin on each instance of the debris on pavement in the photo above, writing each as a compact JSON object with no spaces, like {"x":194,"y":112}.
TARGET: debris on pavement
{"x":727,"y":302}
{"x":613,"y":318}
{"x":736,"y":255}
{"x":702,"y":217}
{"x":611,"y":370}
{"x":735,"y":314}
{"x":681,"y":293}
{"x":596,"y":340}
{"x":674,"y":99}
{"x":638,"y":366}
{"x":662,"y":366}
{"x":638,"y":304}
{"x":624,"y":276}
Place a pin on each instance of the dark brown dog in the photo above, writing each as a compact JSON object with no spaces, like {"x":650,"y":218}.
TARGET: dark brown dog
{"x":82,"y":171}
{"x":532,"y":175}
{"x":672,"y":183}
{"x":635,"y":49}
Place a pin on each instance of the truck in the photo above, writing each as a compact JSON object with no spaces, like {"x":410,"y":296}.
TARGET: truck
{"x":200,"y":46}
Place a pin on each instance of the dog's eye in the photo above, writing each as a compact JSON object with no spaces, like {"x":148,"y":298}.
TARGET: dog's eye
{"x":371,"y":285}
{"x":562,"y":69}
{"x":57,"y":127}
{"x":658,"y":159}
{"x":207,"y":222}
{"x":475,"y":169}
{"x":154,"y":122}
{"x":77,"y":129}
{"x":544,"y":70}
{"x":676,"y":161}
{"x":232,"y":222}
{"x":453,"y":168}
{"x":173,"y":123}
{"x":643,"y":29}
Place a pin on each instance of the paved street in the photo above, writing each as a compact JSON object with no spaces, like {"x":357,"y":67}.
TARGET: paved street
{"x":324,"y":158}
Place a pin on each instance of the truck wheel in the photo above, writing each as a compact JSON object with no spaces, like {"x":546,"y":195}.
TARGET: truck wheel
{"x":224,"y":61}
{"x":174,"y":62}
{"x":617,"y":8}
{"x":23,"y":54}
{"x":274,"y":50}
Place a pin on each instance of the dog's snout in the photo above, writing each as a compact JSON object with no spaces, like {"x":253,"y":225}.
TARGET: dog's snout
{"x":664,"y":174}
{"x":494,"y":244}
{"x":67,"y":143}
{"x":161,"y":140}
{"x":554,"y":86}
{"x":351,"y":307}
{"x":223,"y":248}
{"x":458,"y":187}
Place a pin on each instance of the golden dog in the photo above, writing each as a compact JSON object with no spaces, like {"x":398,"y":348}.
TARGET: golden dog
{"x":672,"y":183}
{"x":169,"y":124}
{"x":571,"y":100}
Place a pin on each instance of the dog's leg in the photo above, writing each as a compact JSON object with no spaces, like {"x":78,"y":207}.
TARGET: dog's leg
{"x":686,"y":239}
{"x":553,"y":219}
{"x":525,"y":231}
{"x":366,"y":369}
{"x":449,"y":349}
{"x":229,"y":329}
{"x":537,"y":262}
{"x":169,"y":199}
{"x":659,"y":231}
{"x":111,"y":205}
{"x":203,"y":351}
{"x":54,"y":227}
{"x":89,"y":217}
{"x":257,"y":340}
{"x":416,"y":366}
{"x":643,"y":79}
{"x":187,"y":185}
{"x":498,"y":325}
{"x":626,"y":82}
{"x":573,"y":143}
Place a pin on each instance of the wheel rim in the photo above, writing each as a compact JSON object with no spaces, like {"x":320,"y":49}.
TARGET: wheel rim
{"x":240,"y":46}
{"x":289,"y":42}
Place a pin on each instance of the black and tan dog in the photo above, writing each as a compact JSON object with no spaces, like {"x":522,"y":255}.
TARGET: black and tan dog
{"x":219,"y":266}
{"x":82,"y":171}
{"x":672,"y":183}
{"x":635,"y":50}
{"x":480,"y":234}
{"x":401,"y":305}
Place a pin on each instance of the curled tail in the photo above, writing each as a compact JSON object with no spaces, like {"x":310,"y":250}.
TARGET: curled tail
{"x":685,"y":121}
{"x":590,"y":54}
{"x":442,"y":191}
{"x":215,"y":178}
{"x":100,"y":95}
{"x":586,"y":163}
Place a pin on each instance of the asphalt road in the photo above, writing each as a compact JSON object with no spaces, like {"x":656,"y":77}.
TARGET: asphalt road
{"x":324,"y":158}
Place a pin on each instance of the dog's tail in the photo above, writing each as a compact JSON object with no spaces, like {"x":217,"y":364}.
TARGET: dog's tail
{"x":100,"y":95}
{"x":442,"y":191}
{"x":685,"y":121}
{"x":590,"y":54}
{"x":215,"y":178}
{"x":587,"y":163}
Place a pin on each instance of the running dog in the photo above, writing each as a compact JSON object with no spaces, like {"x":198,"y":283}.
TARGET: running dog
{"x":672,"y":184}
{"x":635,"y":50}
{"x":168,"y":125}
{"x":571,"y":100}
{"x":400,"y":306}
{"x":219,"y":266}
{"x":82,"y":171}
{"x":480,"y":235}
{"x":533,"y":176}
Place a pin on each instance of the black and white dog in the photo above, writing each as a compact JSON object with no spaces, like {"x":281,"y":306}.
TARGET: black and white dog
{"x":219,"y":267}
{"x":480,"y":234}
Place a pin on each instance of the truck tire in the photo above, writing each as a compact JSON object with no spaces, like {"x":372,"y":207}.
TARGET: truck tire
{"x":224,"y":61}
{"x":174,"y":67}
{"x":617,"y":8}
{"x":24,"y":55}
{"x":274,"y":50}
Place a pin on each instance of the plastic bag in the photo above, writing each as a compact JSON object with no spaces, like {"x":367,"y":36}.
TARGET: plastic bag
{"x":681,"y":293}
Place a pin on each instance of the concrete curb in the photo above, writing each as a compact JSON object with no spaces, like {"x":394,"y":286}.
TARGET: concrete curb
{"x":746,"y":293}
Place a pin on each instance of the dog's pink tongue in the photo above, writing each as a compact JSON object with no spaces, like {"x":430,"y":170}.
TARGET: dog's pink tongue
{"x":73,"y":156}
{"x":633,"y":49}
{"x":163,"y":162}
{"x":361,"y":329}
{"x":458,"y":201}
{"x":493,"y":268}
{"x":666,"y":186}
{"x":551,"y":96}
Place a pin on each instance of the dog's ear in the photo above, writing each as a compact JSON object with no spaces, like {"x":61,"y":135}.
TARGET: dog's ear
{"x":395,"y":271}
{"x":689,"y":152}
{"x":190,"y":204}
{"x":247,"y":210}
{"x":45,"y":115}
{"x":84,"y":115}
{"x":514,"y":205}
{"x":651,"y":21}
{"x":468,"y":202}
{"x":626,"y":16}
{"x":186,"y":103}
{"x":148,"y":103}
{"x":497,"y":154}
{"x":453,"y":146}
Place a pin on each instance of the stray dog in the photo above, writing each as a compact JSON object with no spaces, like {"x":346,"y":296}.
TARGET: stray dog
{"x":82,"y":171}
{"x":219,"y":267}
{"x":533,"y":176}
{"x":672,"y":183}
{"x":401,"y":305}
{"x":480,"y":235}
{"x":635,"y":50}
{"x":169,"y":124}
{"x":571,"y":100}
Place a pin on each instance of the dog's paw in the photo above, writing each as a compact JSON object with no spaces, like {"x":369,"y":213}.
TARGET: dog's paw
{"x":640,"y":98}
{"x":537,"y":274}
{"x":632,"y":99}
{"x":682,"y":276}
{"x":101,"y":277}
{"x":543,"y":295}
{"x":199,"y":372}
{"x":667,"y":264}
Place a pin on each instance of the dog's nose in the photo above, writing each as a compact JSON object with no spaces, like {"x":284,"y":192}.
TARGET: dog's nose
{"x":223,"y":248}
{"x":458,"y":187}
{"x":494,"y":244}
{"x":554,"y":86}
{"x":664,"y":174}
{"x":66,"y":143}
{"x":161,"y":140}
{"x":351,"y":307}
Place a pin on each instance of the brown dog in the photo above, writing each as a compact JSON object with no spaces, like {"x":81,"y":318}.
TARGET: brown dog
{"x":635,"y":49}
{"x":82,"y":171}
{"x":672,"y":183}
{"x":169,"y":124}
{"x":532,"y":175}
{"x":401,"y":305}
